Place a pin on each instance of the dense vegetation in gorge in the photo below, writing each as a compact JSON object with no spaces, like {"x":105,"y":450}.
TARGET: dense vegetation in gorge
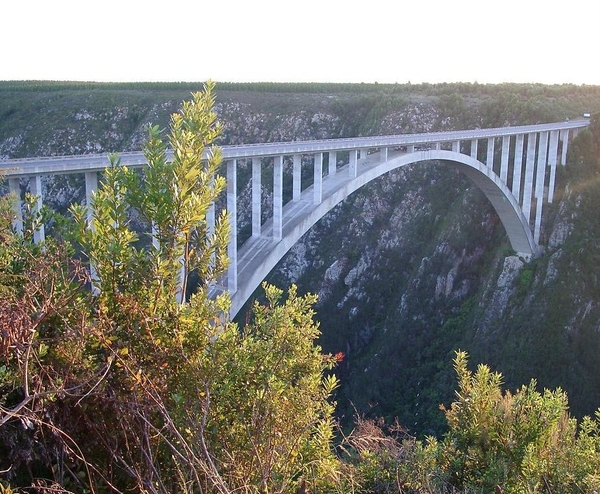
{"x":415,"y":267}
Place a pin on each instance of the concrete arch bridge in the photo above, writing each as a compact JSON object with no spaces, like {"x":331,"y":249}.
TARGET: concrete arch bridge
{"x":515,"y":167}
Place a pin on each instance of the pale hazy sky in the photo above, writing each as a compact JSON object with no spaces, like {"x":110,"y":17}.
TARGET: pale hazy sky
{"x":546,"y":41}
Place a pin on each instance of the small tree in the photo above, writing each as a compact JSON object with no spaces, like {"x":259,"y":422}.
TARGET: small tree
{"x":138,"y":388}
{"x":521,"y":442}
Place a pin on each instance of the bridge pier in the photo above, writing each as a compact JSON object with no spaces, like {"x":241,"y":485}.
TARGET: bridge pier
{"x":232,"y":213}
{"x":490,"y":153}
{"x":35,"y":187}
{"x":14,"y":187}
{"x":383,"y":154}
{"x":296,"y":177}
{"x":352,"y":163}
{"x":552,"y":160}
{"x":332,"y":163}
{"x":504,"y":159}
{"x":539,"y":183}
{"x":91,"y":186}
{"x":517,"y":167}
{"x":564,"y":137}
{"x":318,"y":181}
{"x":529,"y":175}
{"x":474,"y":144}
{"x":256,"y":196}
{"x":277,"y":197}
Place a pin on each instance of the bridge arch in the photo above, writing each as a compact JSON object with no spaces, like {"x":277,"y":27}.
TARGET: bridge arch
{"x":499,"y":195}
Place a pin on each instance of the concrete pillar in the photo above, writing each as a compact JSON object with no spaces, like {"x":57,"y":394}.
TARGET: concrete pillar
{"x":210,"y":227}
{"x":456,"y":147}
{"x":504,"y":160}
{"x":232,"y":213}
{"x":297,"y":177}
{"x":552,"y":161}
{"x":14,"y":186}
{"x":529,"y":170}
{"x":332,"y":162}
{"x":490,"y":153}
{"x":517,"y":166}
{"x":410,"y":148}
{"x":564,"y":137}
{"x":318,"y":182}
{"x":91,"y":186}
{"x":352,"y":167}
{"x":364,"y":153}
{"x":383,"y":154}
{"x":438,"y":146}
{"x":35,"y":187}
{"x":256,"y":197}
{"x":474,"y":143}
{"x":542,"y":160}
{"x":277,"y":198}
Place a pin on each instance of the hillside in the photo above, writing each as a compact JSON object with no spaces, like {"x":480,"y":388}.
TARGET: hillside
{"x":407,"y":269}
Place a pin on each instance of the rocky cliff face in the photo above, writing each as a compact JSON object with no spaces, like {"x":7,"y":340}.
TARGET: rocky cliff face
{"x":407,"y":269}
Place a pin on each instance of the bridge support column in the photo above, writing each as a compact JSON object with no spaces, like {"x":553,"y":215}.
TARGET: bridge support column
{"x":297,"y":177}
{"x":552,"y":160}
{"x":410,"y":148}
{"x":91,"y":186}
{"x":318,"y":182}
{"x":277,"y":198}
{"x":35,"y":187}
{"x":517,"y":167}
{"x":564,"y":137}
{"x":504,"y":160}
{"x":332,"y":162}
{"x":456,"y":147}
{"x":529,"y":171}
{"x":383,"y":154}
{"x":539,"y":183}
{"x":14,"y":186}
{"x":490,"y":153}
{"x":232,"y":212}
{"x":352,"y":163}
{"x":474,"y":143}
{"x":256,"y":196}
{"x":438,"y":146}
